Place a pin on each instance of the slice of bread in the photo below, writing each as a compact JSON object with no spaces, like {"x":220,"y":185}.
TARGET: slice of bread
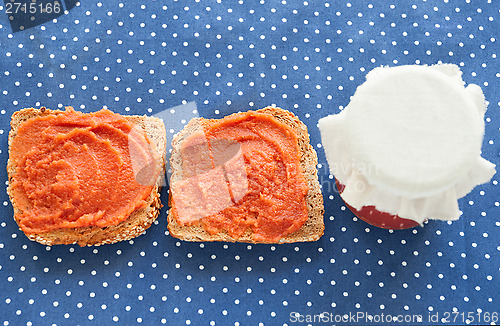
{"x":313,"y":227}
{"x":133,"y":226}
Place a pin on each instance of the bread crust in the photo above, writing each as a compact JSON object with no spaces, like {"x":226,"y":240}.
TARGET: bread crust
{"x":138,"y":221}
{"x":313,"y":227}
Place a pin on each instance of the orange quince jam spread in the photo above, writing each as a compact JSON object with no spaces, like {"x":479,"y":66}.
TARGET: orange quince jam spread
{"x":242,"y":172}
{"x":75,"y":170}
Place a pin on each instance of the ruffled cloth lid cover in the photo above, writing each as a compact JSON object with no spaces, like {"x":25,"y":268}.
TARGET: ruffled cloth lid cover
{"x":409,"y":142}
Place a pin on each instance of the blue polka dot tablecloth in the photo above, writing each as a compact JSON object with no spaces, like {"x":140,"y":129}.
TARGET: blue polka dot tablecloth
{"x":146,"y":57}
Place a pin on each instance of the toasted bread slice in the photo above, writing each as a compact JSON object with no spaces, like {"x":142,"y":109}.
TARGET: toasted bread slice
{"x":311,"y":230}
{"x":133,"y":226}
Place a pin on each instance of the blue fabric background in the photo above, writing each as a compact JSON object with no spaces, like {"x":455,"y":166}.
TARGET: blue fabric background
{"x":227,"y":56}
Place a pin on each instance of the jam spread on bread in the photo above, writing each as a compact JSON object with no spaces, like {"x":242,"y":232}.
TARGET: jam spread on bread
{"x":77,"y":170}
{"x":242,"y":173}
